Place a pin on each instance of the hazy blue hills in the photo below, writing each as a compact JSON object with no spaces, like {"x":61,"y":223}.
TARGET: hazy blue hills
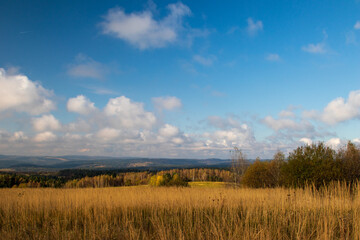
{"x":55,"y":163}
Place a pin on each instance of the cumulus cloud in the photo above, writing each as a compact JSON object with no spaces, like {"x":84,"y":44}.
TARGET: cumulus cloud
{"x":334,"y":143}
{"x":142,"y":30}
{"x":81,"y":105}
{"x":206,"y":61}
{"x":177,"y":140}
{"x":166,"y":103}
{"x":45,"y":137}
{"x":86,"y":67}
{"x":46,"y":122}
{"x":168,"y":131}
{"x":122,"y":112}
{"x":18,"y":136}
{"x":339,"y":110}
{"x":229,"y":132}
{"x":241,"y":137}
{"x":254,"y":26}
{"x":18,"y":93}
{"x":107,"y":134}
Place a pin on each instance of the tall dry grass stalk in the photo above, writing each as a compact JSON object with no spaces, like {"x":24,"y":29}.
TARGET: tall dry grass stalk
{"x":180,"y":213}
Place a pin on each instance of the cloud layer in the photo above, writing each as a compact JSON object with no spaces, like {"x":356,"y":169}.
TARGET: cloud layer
{"x":124,"y":127}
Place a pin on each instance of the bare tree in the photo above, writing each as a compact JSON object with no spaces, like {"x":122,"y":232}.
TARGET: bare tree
{"x":238,"y":164}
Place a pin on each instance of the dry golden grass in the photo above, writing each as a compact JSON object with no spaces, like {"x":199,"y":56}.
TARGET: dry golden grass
{"x":179,"y":213}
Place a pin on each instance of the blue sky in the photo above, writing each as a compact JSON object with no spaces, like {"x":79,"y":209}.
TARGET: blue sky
{"x":177,"y":79}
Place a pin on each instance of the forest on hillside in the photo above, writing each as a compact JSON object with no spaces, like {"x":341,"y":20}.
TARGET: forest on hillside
{"x":315,"y":164}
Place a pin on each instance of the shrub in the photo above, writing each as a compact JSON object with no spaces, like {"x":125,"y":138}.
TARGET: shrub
{"x":257,"y":175}
{"x":167,"y":180}
{"x":312,"y":164}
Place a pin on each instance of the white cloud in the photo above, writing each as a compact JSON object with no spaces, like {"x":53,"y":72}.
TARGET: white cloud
{"x":177,"y":140}
{"x":166,"y":103}
{"x":18,"y":137}
{"x":357,"y":25}
{"x":310,"y":114}
{"x":307,"y":141}
{"x":70,"y":136}
{"x":286,"y":123}
{"x":241,"y":137}
{"x":18,"y":93}
{"x":254,"y":26}
{"x":86,"y":67}
{"x":224,"y":123}
{"x":287,"y":114}
{"x":107,"y":134}
{"x":46,"y":122}
{"x":273,"y":57}
{"x":122,"y":112}
{"x":45,"y":137}
{"x":168,"y":131}
{"x":81,"y":105}
{"x":318,"y":48}
{"x":142,"y":30}
{"x":340,"y":110}
{"x":334,"y":143}
{"x":206,"y":61}
{"x":81,"y":125}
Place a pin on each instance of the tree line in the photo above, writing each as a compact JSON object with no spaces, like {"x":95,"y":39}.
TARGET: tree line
{"x":79,"y":178}
{"x":315,"y":164}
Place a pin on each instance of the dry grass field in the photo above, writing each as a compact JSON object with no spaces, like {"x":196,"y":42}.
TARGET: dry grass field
{"x":180,"y":213}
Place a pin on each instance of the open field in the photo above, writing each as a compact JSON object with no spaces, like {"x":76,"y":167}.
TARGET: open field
{"x":179,"y":213}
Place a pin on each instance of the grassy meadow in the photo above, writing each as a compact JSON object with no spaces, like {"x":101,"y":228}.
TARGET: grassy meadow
{"x":213,"y":212}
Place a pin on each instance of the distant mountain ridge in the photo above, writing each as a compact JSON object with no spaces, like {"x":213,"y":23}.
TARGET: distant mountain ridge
{"x":55,"y":163}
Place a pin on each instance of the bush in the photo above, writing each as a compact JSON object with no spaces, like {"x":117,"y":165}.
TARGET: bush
{"x":265,"y":173}
{"x":312,"y":164}
{"x":167,"y":180}
{"x":257,"y":175}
